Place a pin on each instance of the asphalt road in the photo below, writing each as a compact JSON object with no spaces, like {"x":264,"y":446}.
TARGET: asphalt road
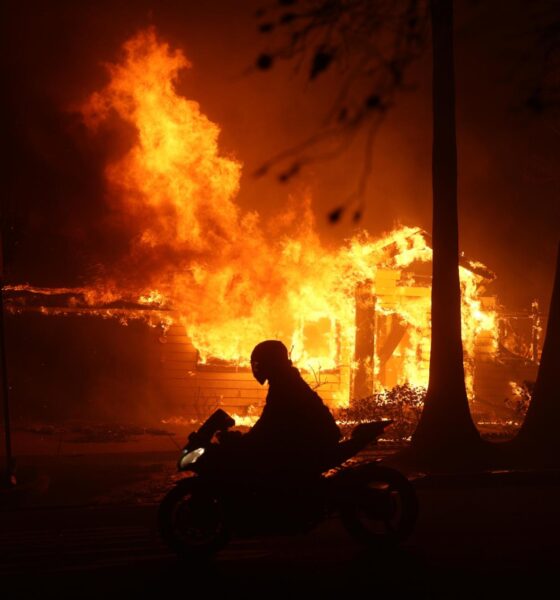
{"x":495,"y":535}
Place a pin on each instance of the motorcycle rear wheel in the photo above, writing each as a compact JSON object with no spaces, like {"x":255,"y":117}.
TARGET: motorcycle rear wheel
{"x":191,"y":522}
{"x":385,"y":508}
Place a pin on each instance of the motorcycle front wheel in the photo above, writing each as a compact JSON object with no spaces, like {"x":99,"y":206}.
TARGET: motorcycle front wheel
{"x":384,"y":507}
{"x":191,"y":522}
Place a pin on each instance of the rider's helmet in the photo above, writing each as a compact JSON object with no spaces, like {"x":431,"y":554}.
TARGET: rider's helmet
{"x":268,"y":358}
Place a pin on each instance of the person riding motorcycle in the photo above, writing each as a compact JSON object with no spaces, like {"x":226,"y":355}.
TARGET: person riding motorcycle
{"x":286,"y":475}
{"x":295,"y":431}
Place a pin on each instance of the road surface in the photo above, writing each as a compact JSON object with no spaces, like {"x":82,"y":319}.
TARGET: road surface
{"x":495,"y":534}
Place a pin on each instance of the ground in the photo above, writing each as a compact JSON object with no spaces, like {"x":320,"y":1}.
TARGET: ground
{"x":84,"y":525}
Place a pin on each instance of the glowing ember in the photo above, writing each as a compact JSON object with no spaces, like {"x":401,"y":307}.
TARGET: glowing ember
{"x":232,"y":279}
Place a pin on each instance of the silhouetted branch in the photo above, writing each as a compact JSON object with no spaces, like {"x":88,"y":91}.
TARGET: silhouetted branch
{"x":372,"y":42}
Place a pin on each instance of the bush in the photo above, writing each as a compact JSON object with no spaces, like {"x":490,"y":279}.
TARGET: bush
{"x":402,"y":404}
{"x":521,"y":400}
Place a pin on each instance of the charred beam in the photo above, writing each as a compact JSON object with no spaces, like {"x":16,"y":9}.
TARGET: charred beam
{"x":365,"y":341}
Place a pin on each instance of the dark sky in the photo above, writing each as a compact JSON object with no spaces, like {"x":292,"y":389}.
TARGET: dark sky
{"x":53,"y":54}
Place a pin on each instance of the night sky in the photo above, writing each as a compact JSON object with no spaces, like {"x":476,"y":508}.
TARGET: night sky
{"x":59,"y":221}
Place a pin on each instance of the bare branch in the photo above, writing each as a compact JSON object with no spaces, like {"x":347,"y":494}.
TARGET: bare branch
{"x":372,"y":43}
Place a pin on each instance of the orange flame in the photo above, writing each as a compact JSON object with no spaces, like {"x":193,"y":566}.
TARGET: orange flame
{"x":232,"y":279}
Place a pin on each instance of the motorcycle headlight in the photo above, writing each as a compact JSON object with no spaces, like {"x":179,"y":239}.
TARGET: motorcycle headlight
{"x":189,"y":458}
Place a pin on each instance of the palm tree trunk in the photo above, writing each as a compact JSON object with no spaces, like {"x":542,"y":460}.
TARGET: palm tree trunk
{"x":446,"y":423}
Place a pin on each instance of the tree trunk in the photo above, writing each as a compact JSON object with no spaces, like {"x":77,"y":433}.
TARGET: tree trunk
{"x":446,"y":424}
{"x":539,"y":432}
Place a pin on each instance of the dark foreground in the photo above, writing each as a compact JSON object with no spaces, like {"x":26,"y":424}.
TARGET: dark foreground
{"x":492,"y":534}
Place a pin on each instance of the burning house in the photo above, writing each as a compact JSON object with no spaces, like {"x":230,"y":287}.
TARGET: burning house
{"x":213,"y":281}
{"x":389,"y":348}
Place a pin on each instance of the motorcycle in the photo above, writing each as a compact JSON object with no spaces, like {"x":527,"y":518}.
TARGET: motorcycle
{"x":198,"y":516}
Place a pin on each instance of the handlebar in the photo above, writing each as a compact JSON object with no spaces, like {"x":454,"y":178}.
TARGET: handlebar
{"x":218,"y":421}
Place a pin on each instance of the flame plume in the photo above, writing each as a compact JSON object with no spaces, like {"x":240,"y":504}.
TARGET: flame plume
{"x":229,"y":280}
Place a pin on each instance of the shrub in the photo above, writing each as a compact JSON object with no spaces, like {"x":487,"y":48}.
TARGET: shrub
{"x":521,"y":400}
{"x":402,"y":404}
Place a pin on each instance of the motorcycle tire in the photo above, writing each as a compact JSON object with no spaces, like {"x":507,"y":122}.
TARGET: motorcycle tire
{"x":385,"y":509}
{"x":191,"y":522}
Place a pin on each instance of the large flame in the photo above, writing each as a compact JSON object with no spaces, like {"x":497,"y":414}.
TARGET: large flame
{"x":232,"y":279}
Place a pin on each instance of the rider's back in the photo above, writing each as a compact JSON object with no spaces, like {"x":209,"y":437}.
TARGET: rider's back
{"x":295,"y":424}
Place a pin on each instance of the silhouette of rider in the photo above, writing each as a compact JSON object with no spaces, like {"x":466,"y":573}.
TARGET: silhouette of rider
{"x":295,"y":429}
